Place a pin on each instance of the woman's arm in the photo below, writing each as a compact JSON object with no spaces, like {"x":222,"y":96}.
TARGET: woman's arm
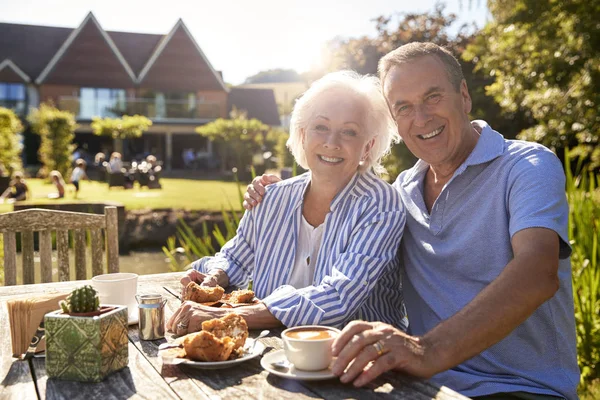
{"x":236,"y":258}
{"x":338,"y":296}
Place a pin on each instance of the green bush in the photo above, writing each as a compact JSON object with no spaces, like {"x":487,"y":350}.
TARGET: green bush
{"x":127,"y":127}
{"x":10,"y":148}
{"x":57,"y":131}
{"x":584,"y":233}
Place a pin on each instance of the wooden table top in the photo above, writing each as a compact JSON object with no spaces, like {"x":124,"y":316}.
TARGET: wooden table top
{"x":147,"y":378}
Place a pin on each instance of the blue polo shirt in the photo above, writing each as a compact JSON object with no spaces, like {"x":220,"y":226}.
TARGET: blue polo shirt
{"x":454,"y":252}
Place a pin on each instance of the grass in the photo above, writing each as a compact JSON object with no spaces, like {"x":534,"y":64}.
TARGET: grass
{"x":185,"y":194}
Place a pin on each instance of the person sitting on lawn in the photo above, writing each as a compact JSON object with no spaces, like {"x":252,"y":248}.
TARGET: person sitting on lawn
{"x":321,"y":248}
{"x":115,"y":164}
{"x":59,"y":182}
{"x":17,"y":189}
{"x":78,"y":174}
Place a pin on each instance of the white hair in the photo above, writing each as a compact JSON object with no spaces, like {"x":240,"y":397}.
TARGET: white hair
{"x":379,"y":123}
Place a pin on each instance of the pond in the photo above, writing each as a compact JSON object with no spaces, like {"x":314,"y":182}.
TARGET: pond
{"x":139,"y":262}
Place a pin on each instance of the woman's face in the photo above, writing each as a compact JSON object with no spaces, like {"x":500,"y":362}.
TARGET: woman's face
{"x":335,"y":139}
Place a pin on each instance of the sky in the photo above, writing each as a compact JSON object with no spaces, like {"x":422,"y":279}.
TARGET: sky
{"x":239,"y":37}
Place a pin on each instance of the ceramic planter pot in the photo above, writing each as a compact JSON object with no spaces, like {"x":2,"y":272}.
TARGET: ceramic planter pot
{"x":86,"y":348}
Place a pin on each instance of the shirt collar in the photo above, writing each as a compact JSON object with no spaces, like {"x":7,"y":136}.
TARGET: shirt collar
{"x":354,"y":188}
{"x":489,"y":146}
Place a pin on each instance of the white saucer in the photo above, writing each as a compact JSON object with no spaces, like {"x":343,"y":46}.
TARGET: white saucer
{"x":257,"y":350}
{"x":292,"y":372}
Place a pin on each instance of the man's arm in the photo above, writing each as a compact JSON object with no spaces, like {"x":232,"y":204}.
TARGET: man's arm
{"x":526,"y":282}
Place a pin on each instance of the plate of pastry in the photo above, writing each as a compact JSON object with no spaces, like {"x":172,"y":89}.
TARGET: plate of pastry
{"x":216,"y":296}
{"x":221,"y":343}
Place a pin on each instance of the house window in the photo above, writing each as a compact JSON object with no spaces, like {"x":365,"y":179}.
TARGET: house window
{"x":13,"y":95}
{"x":101,"y":102}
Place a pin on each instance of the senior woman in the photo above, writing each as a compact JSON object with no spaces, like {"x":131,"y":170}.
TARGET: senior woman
{"x":321,"y":247}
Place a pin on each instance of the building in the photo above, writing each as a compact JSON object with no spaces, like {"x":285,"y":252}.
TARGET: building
{"x":92,"y":72}
{"x":286,"y":94}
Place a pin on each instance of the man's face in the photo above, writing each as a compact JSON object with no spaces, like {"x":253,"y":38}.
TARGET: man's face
{"x":432,"y":116}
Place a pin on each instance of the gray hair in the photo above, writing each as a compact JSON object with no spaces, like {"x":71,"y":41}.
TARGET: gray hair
{"x":379,"y":123}
{"x":411,"y":51}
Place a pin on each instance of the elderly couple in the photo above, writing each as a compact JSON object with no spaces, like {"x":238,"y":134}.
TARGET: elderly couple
{"x":483,"y":265}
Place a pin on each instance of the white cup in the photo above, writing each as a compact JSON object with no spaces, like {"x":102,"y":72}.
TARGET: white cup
{"x":306,"y":350}
{"x":118,"y":289}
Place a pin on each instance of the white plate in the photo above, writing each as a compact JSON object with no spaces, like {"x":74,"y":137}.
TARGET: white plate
{"x":257,"y":351}
{"x":292,"y":372}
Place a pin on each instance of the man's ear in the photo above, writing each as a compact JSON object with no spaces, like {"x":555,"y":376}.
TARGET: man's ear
{"x":466,"y":97}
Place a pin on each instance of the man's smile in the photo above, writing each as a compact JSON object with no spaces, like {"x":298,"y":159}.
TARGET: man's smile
{"x":432,"y":134}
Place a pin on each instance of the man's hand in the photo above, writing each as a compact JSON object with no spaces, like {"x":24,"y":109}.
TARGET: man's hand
{"x":361,"y":342}
{"x":256,"y":190}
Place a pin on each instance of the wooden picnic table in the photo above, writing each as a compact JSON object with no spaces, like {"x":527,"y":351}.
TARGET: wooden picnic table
{"x":147,"y":378}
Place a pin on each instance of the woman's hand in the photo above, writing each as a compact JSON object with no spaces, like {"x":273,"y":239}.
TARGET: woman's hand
{"x":361,"y":343}
{"x":190,"y":316}
{"x":256,"y":190}
{"x":210,"y":280}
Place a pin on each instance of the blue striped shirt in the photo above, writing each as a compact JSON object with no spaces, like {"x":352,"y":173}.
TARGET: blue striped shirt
{"x":357,"y":274}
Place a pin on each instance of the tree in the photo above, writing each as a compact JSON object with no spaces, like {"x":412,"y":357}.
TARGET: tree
{"x":10,"y":146}
{"x":57,"y":131}
{"x":238,"y":139}
{"x":127,"y":127}
{"x":544,"y":58}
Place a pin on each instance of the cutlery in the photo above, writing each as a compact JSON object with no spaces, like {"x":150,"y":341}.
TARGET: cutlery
{"x":260,"y":336}
{"x":282,"y":365}
{"x":172,"y":293}
{"x":165,"y":346}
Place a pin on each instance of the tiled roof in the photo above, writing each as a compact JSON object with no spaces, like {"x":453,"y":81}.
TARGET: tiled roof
{"x":30,"y":47}
{"x":259,"y":103}
{"x":137,"y":48}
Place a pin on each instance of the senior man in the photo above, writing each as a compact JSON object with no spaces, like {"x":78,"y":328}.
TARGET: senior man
{"x":487,"y":275}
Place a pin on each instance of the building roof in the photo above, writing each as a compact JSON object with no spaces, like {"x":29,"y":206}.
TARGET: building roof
{"x":40,"y":52}
{"x":259,"y":103}
{"x":30,"y":47}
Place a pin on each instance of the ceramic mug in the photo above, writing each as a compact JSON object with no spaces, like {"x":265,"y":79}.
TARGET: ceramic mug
{"x":120,"y":289}
{"x":309,"y":347}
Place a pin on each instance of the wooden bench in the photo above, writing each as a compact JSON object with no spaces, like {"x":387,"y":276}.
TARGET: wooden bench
{"x":27,"y":222}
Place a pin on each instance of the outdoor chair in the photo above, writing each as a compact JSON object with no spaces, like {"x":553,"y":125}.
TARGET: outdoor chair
{"x":28,"y":222}
{"x":116,"y":179}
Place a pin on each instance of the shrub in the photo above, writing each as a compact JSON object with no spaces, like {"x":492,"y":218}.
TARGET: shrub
{"x":57,"y":131}
{"x":584,"y":234}
{"x":10,"y":146}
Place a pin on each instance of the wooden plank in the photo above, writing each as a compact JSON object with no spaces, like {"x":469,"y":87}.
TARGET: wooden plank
{"x":97,"y":264}
{"x":62,"y":250}
{"x":27,"y":253}
{"x":145,"y":376}
{"x":10,"y":258}
{"x":14,"y":374}
{"x":46,"y":255}
{"x":136,"y":381}
{"x":38,"y":219}
{"x":79,"y":244}
{"x":112,"y":239}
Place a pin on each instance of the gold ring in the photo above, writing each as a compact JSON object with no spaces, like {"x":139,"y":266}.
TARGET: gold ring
{"x":182,"y":326}
{"x":379,"y":347}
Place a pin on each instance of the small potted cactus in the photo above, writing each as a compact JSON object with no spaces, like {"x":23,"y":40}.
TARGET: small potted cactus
{"x":86,"y":341}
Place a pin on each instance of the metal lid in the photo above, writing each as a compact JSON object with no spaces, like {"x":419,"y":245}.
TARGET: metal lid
{"x":153,"y":298}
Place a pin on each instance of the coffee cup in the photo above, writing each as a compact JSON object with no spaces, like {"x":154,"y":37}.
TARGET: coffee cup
{"x":309,"y":347}
{"x":118,"y":289}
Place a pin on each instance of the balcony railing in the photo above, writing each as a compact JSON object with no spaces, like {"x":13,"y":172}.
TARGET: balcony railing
{"x":19,"y":106}
{"x":164,"y":110}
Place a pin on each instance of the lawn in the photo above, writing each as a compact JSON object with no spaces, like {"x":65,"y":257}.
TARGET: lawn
{"x":186,"y":194}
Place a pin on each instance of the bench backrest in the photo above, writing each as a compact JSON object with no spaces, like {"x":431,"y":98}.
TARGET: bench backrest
{"x":44,"y":222}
